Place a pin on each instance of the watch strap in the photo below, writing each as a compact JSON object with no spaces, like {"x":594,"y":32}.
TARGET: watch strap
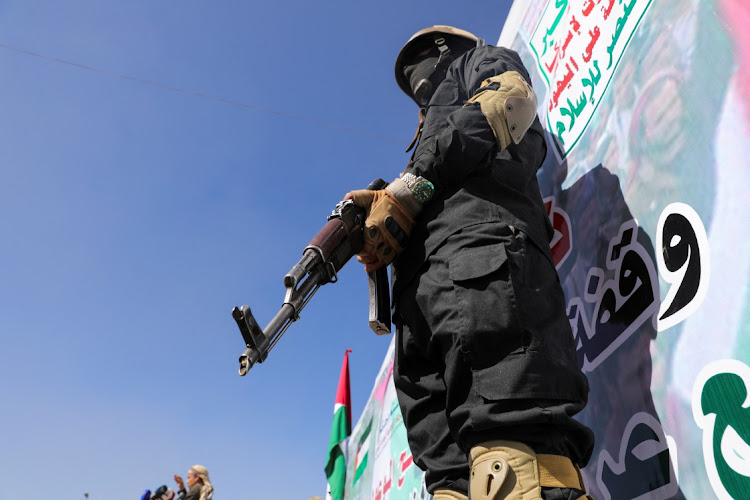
{"x":400,"y":190}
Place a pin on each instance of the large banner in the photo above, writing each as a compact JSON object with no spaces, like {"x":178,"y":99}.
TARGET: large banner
{"x":379,"y":463}
{"x":647,"y":108}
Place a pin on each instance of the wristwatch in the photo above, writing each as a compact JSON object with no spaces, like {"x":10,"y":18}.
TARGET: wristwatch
{"x":421,"y":188}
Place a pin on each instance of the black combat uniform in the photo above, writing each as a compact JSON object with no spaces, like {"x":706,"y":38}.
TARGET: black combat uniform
{"x":484,"y":349}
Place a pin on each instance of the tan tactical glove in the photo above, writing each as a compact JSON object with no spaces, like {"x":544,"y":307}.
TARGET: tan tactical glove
{"x":390,"y":218}
{"x":509,"y":104}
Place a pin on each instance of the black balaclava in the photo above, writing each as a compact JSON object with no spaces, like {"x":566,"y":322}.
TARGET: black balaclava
{"x":423,"y":79}
{"x":426,"y":72}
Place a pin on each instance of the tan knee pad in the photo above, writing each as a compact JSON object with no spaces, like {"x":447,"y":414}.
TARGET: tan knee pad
{"x":503,"y":470}
{"x":448,"y":495}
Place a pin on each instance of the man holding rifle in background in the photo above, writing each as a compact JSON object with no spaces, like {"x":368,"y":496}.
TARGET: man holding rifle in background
{"x":485,"y":368}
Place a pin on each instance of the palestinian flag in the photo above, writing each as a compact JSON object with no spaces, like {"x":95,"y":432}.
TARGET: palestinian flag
{"x":340,"y":430}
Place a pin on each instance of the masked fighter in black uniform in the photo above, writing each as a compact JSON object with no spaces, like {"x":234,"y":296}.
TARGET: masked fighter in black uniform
{"x":485,"y":370}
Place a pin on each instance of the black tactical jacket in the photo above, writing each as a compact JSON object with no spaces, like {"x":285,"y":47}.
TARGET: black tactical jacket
{"x":474,"y":184}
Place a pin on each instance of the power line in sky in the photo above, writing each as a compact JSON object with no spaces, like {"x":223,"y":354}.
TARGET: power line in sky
{"x":193,"y":93}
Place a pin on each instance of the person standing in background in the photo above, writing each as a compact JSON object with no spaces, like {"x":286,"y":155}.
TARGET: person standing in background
{"x":198,"y":483}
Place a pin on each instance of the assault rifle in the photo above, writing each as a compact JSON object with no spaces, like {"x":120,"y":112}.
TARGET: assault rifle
{"x":338,"y":241}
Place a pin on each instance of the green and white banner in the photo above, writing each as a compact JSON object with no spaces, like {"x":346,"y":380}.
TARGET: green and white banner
{"x":380,"y":464}
{"x":647,"y":108}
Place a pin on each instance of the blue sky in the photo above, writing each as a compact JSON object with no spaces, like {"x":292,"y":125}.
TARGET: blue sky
{"x":134,"y":217}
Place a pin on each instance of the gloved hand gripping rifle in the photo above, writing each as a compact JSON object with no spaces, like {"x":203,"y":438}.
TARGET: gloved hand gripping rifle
{"x":337,"y":242}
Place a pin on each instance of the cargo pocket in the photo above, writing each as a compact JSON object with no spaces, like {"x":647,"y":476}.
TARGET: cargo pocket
{"x":490,"y":328}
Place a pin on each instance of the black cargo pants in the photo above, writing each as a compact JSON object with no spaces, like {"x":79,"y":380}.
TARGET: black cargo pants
{"x":484,"y":351}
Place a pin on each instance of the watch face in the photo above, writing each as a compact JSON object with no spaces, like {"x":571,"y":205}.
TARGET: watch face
{"x":423,"y":191}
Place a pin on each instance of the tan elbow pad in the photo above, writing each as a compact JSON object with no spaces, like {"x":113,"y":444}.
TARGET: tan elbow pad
{"x":509,"y":104}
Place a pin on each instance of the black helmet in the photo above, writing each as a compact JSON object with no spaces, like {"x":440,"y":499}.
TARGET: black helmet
{"x":444,"y":38}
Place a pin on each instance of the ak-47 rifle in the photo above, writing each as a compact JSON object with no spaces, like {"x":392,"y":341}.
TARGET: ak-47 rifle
{"x":337,"y":242}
